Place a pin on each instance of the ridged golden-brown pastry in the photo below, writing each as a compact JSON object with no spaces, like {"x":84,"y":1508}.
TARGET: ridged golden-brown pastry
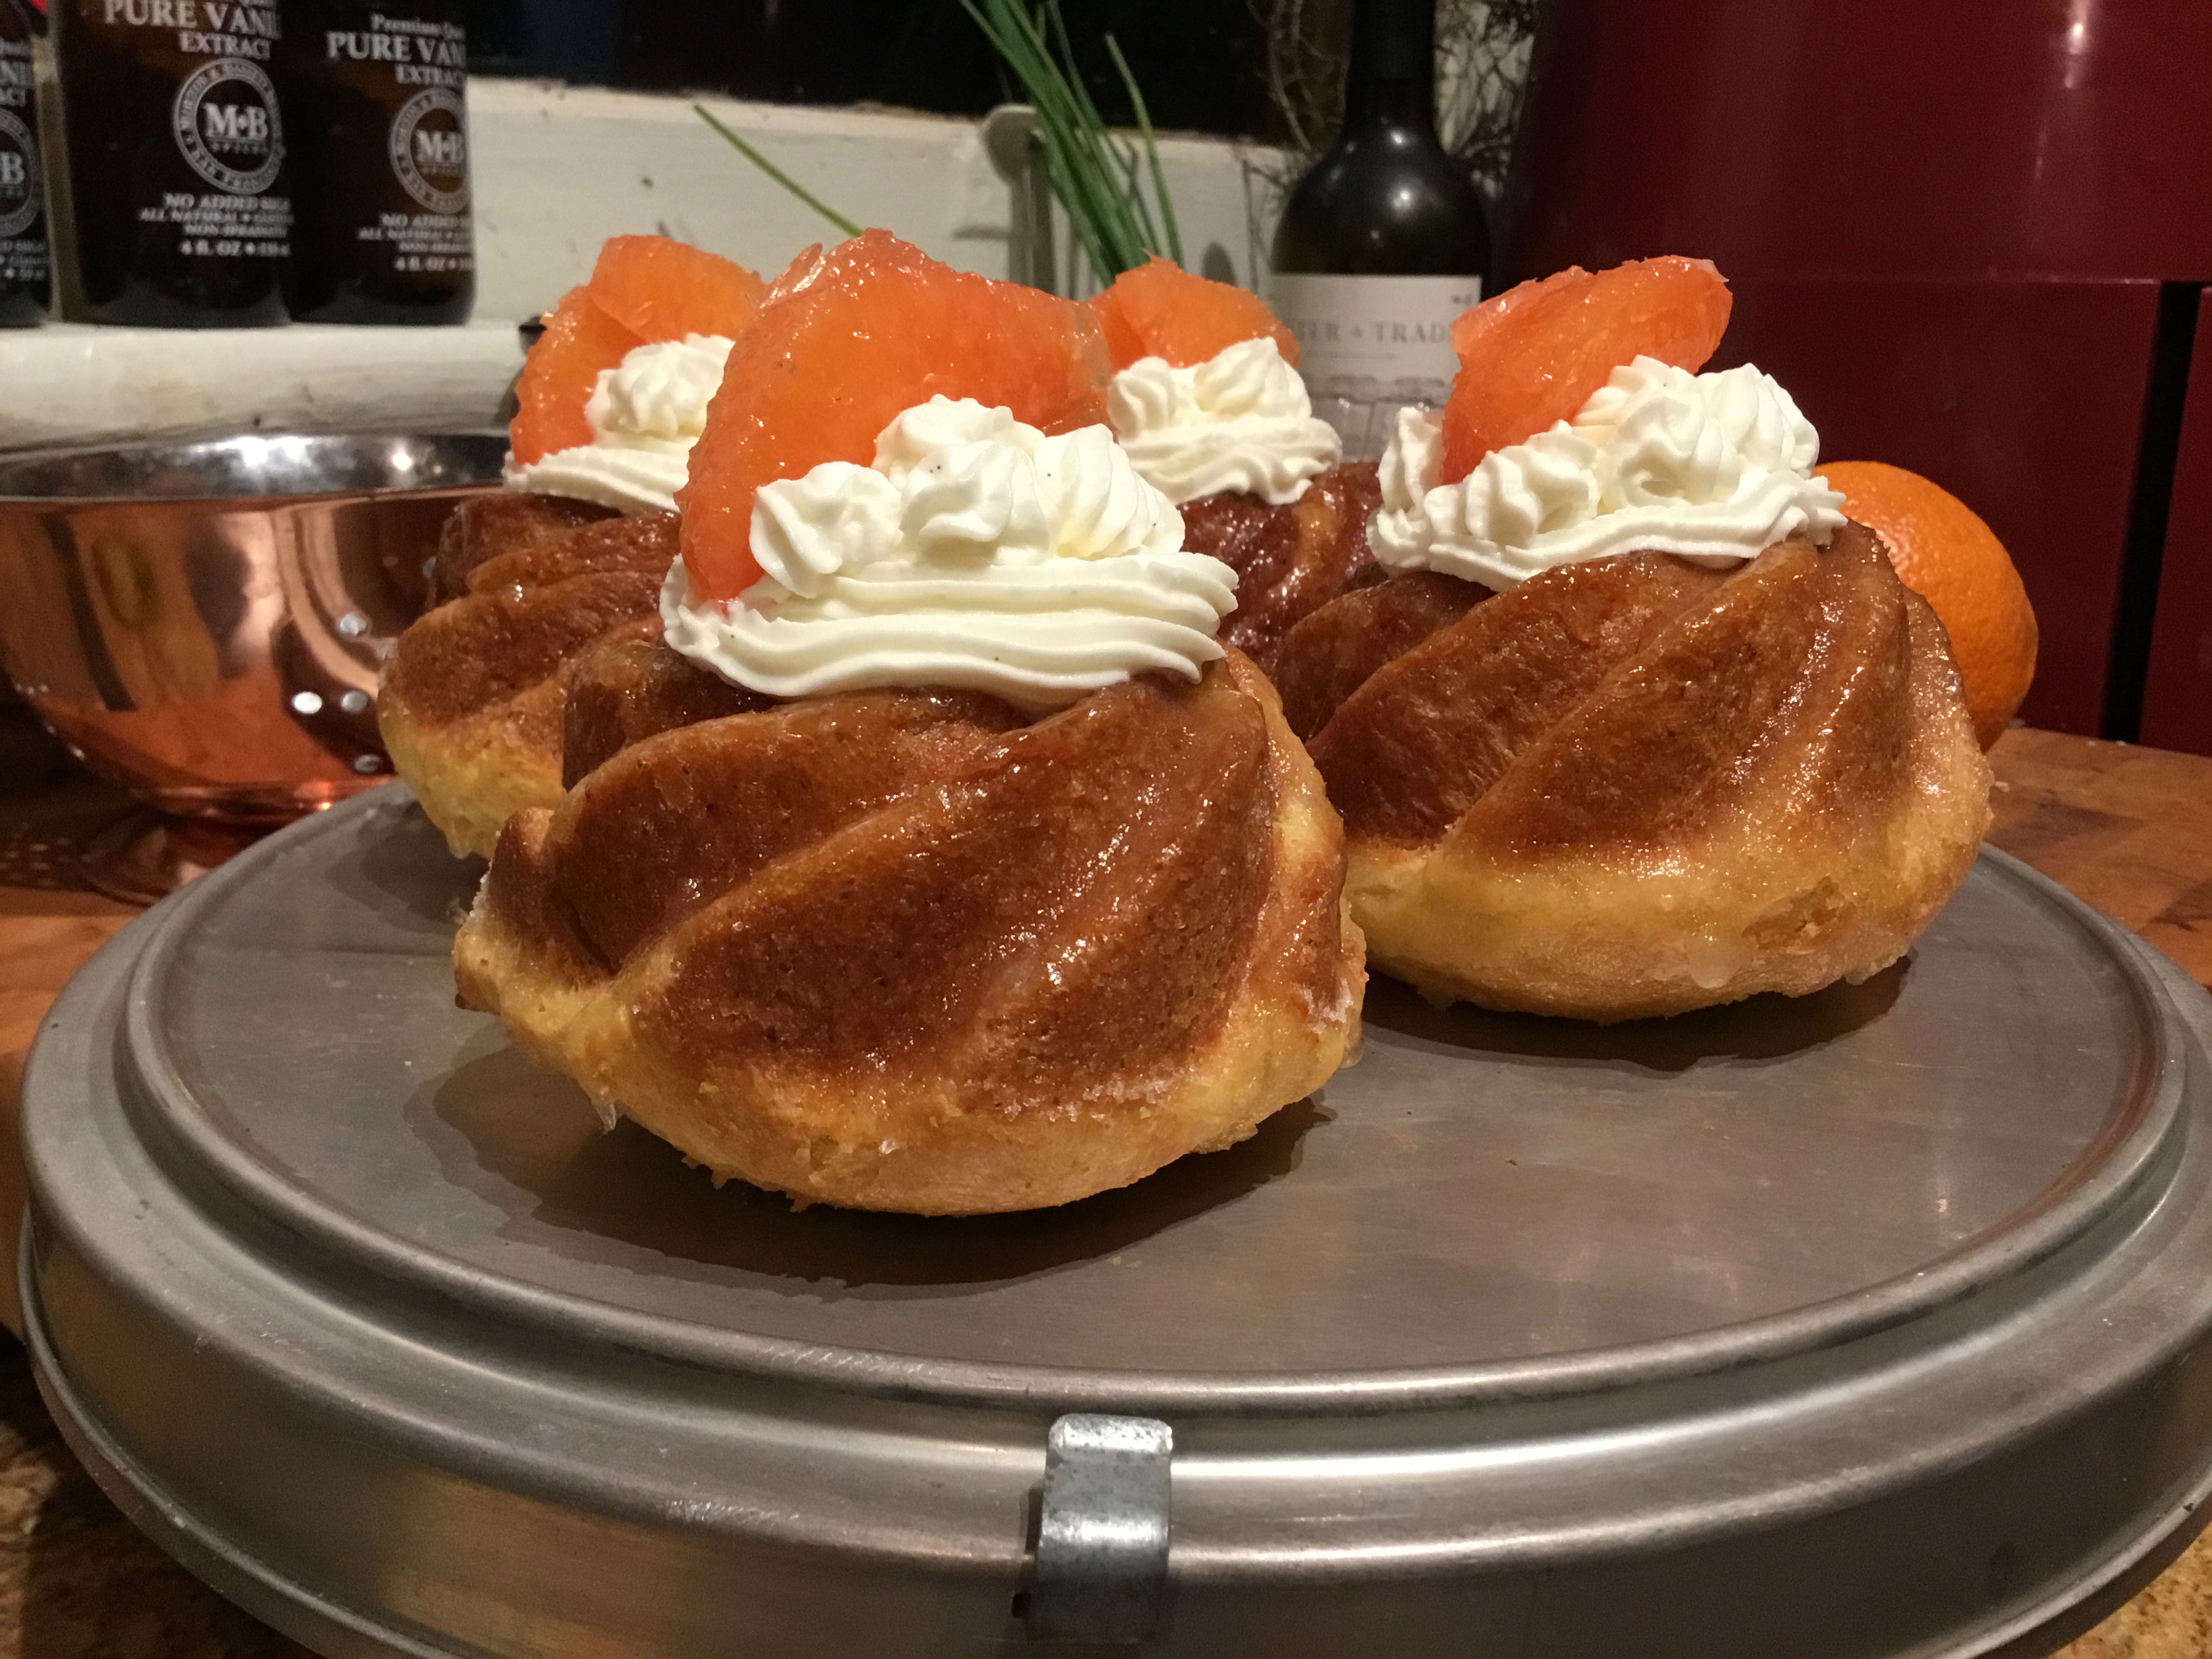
{"x":471,"y":703}
{"x":1636,"y":786}
{"x":1289,"y":560}
{"x":907,"y":950}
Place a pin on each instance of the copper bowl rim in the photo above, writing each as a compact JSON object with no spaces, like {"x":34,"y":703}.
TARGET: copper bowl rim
{"x":250,"y":469}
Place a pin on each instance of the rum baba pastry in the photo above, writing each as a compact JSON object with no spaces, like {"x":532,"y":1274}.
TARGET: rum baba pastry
{"x":471,"y":701}
{"x":1207,"y":400}
{"x":955,"y":866}
{"x":1639,"y":723}
{"x":612,"y":396}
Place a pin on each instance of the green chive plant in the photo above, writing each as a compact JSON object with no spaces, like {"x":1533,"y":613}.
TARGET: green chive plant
{"x":1099,"y":179}
{"x":1096,"y":177}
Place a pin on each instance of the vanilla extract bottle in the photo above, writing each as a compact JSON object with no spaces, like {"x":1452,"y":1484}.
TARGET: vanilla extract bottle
{"x":24,"y":280}
{"x":381,"y":150}
{"x":179,"y":192}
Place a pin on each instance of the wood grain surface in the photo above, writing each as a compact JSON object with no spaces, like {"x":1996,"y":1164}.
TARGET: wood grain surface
{"x":2129,"y":829}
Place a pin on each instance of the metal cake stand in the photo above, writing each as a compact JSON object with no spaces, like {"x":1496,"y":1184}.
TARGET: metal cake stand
{"x":1874,"y":1323}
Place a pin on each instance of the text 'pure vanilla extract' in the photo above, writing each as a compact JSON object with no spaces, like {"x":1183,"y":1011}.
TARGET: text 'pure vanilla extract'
{"x":177,"y":168}
{"x":381,"y":153}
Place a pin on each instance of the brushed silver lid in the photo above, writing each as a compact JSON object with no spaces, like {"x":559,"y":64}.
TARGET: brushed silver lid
{"x":1863,"y":1324}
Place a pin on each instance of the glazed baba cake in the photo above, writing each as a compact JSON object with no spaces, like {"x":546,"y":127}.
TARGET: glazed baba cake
{"x":573,"y":549}
{"x":1638,"y":722}
{"x":941,"y":857}
{"x":1207,"y":401}
{"x":472,"y":701}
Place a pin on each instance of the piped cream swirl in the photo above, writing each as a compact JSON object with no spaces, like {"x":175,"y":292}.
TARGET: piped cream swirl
{"x":1712,"y":467}
{"x":645,"y":414}
{"x":1240,"y":421}
{"x":974,"y":552}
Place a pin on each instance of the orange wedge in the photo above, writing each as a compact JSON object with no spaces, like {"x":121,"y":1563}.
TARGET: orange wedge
{"x":847,"y":340}
{"x":1159,"y":309}
{"x":1534,"y":354}
{"x":643,"y":288}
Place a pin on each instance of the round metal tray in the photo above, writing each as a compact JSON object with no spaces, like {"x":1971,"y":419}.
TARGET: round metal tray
{"x":1872,"y":1324}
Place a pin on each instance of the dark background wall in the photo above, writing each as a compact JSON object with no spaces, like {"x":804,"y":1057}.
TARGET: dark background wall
{"x":1198,"y":61}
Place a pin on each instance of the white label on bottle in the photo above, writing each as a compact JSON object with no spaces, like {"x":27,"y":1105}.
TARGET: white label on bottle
{"x":226,"y":124}
{"x":1370,"y":339}
{"x":19,"y":177}
{"x":428,"y":146}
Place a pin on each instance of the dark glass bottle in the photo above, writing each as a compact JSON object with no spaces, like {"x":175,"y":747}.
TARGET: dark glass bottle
{"x":380,"y":155}
{"x":25,"y":275}
{"x":1385,"y":240}
{"x":178,"y":184}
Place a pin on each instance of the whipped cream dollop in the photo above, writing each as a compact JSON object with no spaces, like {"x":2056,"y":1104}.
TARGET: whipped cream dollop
{"x":974,"y":552}
{"x":645,"y":414}
{"x":1240,"y":421}
{"x":1715,"y":468}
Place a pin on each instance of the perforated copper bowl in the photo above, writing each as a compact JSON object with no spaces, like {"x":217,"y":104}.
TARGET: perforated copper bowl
{"x":203,"y":623}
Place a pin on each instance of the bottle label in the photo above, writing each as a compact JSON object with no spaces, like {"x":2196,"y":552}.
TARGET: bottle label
{"x":1374,"y":339}
{"x":429,"y":150}
{"x":19,"y":176}
{"x":228,"y":127}
{"x":22,"y":257}
{"x":176,"y":156}
{"x":225,"y":120}
{"x":416,"y":223}
{"x":24,"y":242}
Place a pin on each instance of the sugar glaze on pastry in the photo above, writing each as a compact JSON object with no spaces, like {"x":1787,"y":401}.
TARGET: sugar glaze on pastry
{"x":920,"y":948}
{"x":953,"y":864}
{"x":1639,"y":723}
{"x":910,"y":949}
{"x":471,"y":703}
{"x":1637,"y":786}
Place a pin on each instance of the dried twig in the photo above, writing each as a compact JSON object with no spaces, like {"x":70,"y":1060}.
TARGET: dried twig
{"x":1482,"y":65}
{"x":1482,"y":58}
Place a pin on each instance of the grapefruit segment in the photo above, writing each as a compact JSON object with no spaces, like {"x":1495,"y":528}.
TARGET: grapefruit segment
{"x":1534,"y":354}
{"x":847,"y":340}
{"x":1159,"y":309}
{"x":561,"y":372}
{"x":663,"y":290}
{"x":643,"y":288}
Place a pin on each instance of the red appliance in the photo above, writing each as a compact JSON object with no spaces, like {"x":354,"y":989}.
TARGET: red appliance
{"x":1972,"y":240}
